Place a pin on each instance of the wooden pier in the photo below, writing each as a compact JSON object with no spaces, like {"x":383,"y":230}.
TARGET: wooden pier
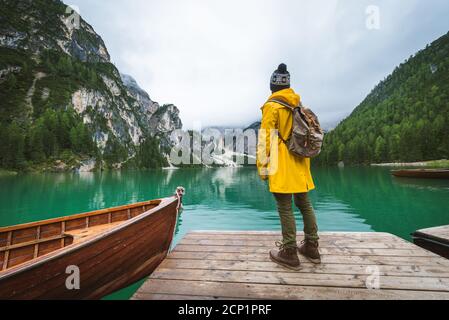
{"x":235,"y":265}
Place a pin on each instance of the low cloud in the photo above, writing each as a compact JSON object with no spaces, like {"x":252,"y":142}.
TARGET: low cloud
{"x":213,"y":59}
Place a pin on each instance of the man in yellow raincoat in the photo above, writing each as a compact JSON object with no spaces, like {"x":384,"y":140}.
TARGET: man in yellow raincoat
{"x":288,"y":175}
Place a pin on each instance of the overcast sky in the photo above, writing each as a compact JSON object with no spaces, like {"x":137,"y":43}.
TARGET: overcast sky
{"x":213,"y":58}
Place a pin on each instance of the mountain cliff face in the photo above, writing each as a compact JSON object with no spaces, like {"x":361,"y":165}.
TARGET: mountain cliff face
{"x":404,"y":118}
{"x":58,"y":86}
{"x":39,"y":25}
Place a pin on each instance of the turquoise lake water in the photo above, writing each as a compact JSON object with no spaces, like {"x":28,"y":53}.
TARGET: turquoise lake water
{"x":346,"y":199}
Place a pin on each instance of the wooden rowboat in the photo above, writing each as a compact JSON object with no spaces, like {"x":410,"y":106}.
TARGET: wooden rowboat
{"x":433,"y":239}
{"x":108,"y":249}
{"x":422,"y":173}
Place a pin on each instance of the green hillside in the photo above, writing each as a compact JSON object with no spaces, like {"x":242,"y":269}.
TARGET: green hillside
{"x":405,"y":118}
{"x":49,"y":129}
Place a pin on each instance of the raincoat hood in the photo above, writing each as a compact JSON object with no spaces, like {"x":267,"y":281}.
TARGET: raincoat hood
{"x":287,"y":95}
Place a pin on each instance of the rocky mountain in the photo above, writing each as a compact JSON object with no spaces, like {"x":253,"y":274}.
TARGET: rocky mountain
{"x":221,"y":146}
{"x":59,"y":87}
{"x":254,"y":126}
{"x":139,"y":94}
{"x":40,"y":25}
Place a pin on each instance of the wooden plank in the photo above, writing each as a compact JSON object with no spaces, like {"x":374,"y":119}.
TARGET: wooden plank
{"x":308,"y":279}
{"x":36,"y":246}
{"x":6,"y":258}
{"x":284,"y":292}
{"x":251,"y":232}
{"x":439,"y":232}
{"x":327,"y":259}
{"x":30,"y":243}
{"x":416,"y":252}
{"x":344,"y":243}
{"x":268,"y":238}
{"x":407,"y":270}
{"x":269,"y":234}
{"x":62,"y":232}
{"x":277,"y":235}
{"x":155,"y":296}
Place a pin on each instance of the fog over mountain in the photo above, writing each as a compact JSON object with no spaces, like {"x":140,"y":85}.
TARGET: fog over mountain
{"x":213,"y":59}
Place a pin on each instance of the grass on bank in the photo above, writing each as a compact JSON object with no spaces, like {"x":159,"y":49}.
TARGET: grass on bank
{"x":438,"y":164}
{"x":7,"y":173}
{"x":443,"y":163}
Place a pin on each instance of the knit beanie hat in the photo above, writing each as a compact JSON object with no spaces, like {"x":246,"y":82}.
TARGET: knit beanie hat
{"x":280,"y":79}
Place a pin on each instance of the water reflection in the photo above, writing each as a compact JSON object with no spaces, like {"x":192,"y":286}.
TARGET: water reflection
{"x":353,"y":199}
{"x":423,"y":184}
{"x":384,"y":202}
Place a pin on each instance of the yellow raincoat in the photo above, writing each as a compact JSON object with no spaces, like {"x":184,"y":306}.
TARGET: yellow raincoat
{"x":286,"y":172}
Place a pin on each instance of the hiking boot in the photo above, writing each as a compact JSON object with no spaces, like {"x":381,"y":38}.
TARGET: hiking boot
{"x":309,"y":249}
{"x":286,"y":257}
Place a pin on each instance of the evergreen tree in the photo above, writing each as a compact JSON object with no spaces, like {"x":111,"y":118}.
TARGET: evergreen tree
{"x":405,"y":118}
{"x":15,"y":146}
{"x":35,"y":148}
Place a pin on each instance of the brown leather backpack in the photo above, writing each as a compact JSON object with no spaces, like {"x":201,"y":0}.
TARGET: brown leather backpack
{"x":307,"y":136}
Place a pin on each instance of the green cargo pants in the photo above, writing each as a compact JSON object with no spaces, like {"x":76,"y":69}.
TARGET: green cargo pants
{"x":288,"y":222}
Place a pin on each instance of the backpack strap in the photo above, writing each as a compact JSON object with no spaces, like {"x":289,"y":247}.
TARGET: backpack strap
{"x":302,"y":110}
{"x":288,"y":106}
{"x":282,"y":103}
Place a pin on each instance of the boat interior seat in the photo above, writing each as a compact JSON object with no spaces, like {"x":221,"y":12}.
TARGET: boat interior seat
{"x":80,"y":235}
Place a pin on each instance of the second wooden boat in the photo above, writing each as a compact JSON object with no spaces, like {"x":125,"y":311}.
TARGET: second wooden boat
{"x":433,"y":239}
{"x":108,"y":249}
{"x":422,"y":173}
